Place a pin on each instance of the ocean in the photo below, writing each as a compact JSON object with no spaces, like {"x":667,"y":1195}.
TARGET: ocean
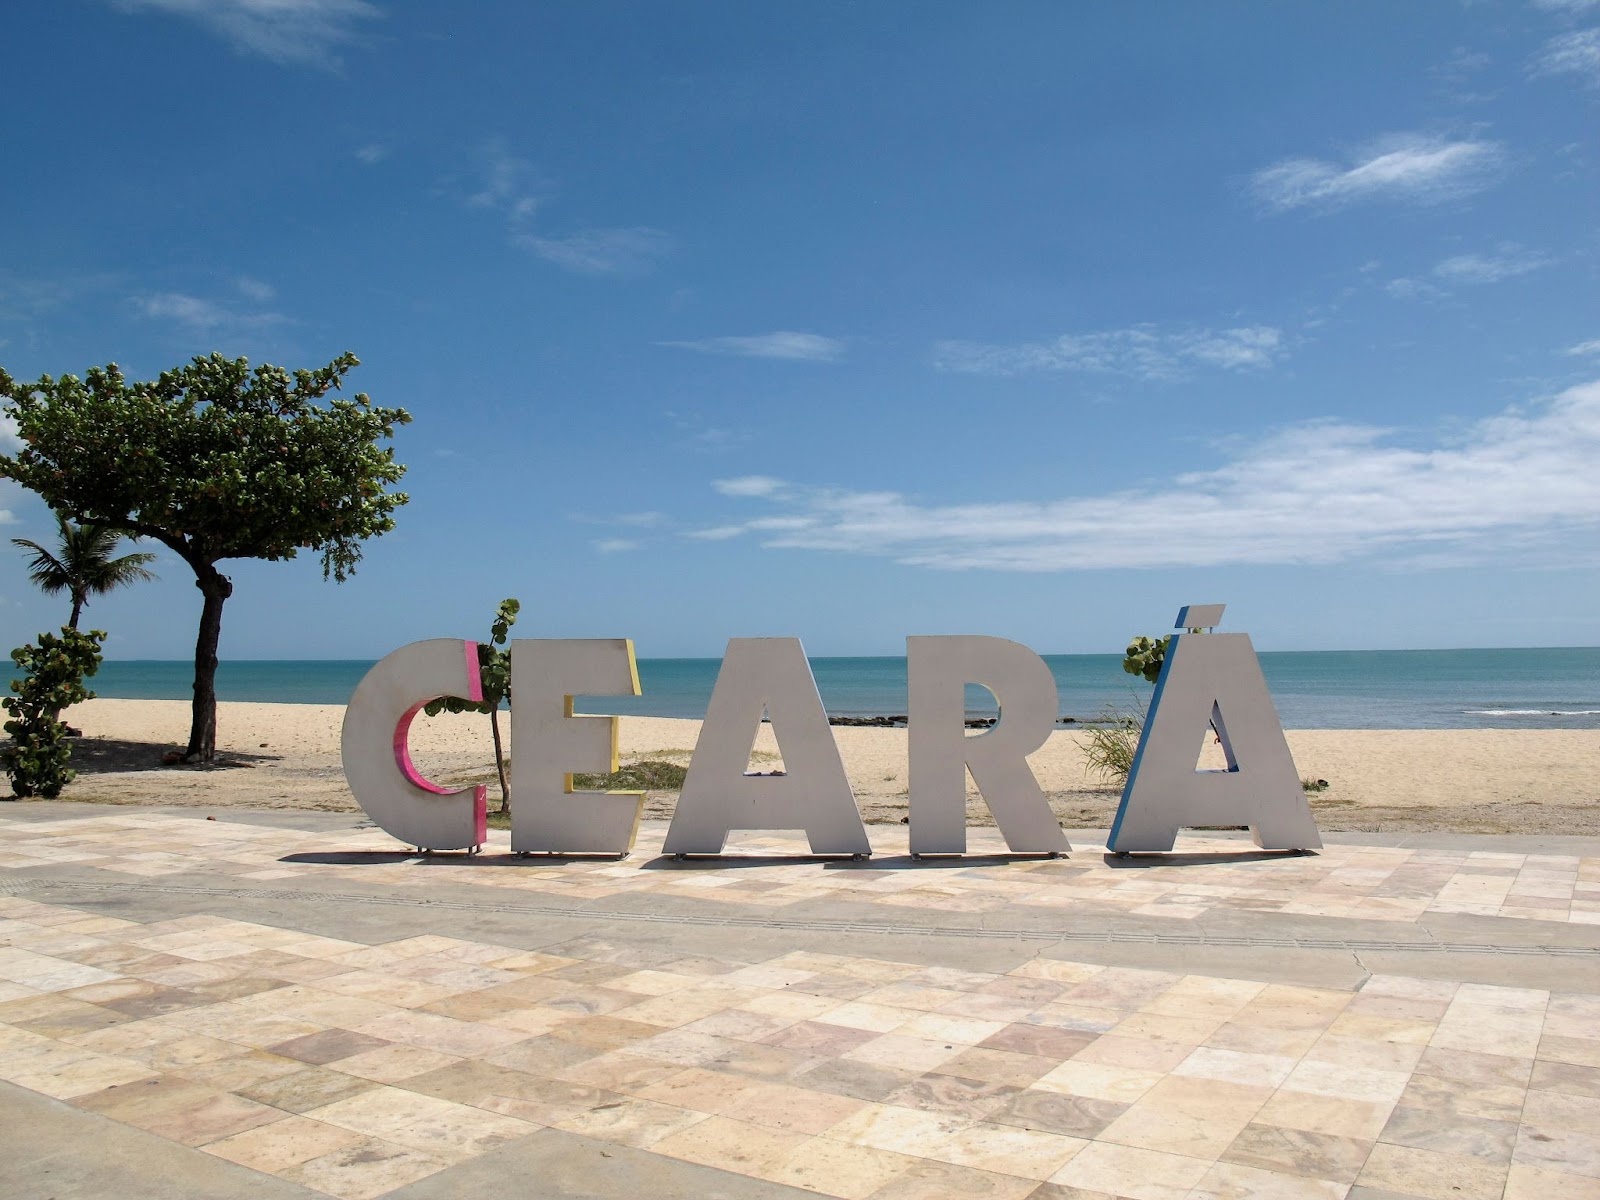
{"x":1551,"y":688}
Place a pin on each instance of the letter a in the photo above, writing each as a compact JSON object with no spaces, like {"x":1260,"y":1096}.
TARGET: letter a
{"x":771,"y":675}
{"x":1215,"y":680}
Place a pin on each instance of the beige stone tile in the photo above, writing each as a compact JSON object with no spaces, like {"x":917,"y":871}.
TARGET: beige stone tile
{"x":366,"y":1169}
{"x":1127,"y":1171}
{"x":1475,"y":1137}
{"x":1341,"y":1117}
{"x":906,"y":1053}
{"x":1140,"y":1054}
{"x":1006,"y":1150}
{"x":632,"y":1121}
{"x":93,"y":1073}
{"x":929,"y":1180}
{"x":1347,"y":1083}
{"x":1527,"y":1182}
{"x":1233,"y":1066}
{"x":998,"y":1066}
{"x":306,"y":1089}
{"x":1565,"y":1078}
{"x":702,"y":1090}
{"x":283,"y":1144}
{"x":1366,"y":1052}
{"x":1298,"y":1152}
{"x":1433,"y":1175}
{"x":836,"y":1169}
{"x":381,"y":1110}
{"x":241,"y":1071}
{"x":731,"y":1145}
{"x":1233,"y":1181}
{"x":1099,"y":1081}
{"x":391,"y":1063}
{"x":902,"y":1130}
{"x":1198,"y":1118}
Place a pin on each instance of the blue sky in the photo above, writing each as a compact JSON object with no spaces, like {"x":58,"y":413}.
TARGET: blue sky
{"x":851,"y":321}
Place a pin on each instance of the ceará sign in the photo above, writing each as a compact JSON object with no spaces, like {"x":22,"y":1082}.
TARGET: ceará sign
{"x":1209,"y":683}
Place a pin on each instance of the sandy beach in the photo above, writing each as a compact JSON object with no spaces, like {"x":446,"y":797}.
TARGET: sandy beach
{"x":287,"y":756}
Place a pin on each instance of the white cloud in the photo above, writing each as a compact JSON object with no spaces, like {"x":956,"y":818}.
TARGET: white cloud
{"x":1590,"y":347}
{"x":1413,"y":289}
{"x":1141,"y":352}
{"x":1510,"y":261}
{"x":1576,"y":53}
{"x":1322,"y":492}
{"x":10,"y":443}
{"x":371,"y":154}
{"x":302,"y":32}
{"x":749,"y":485}
{"x":615,"y":545}
{"x":198,"y":315}
{"x":1410,"y":166}
{"x":601,"y":251}
{"x":1566,"y":6}
{"x":784,"y":343}
{"x":255,"y":289}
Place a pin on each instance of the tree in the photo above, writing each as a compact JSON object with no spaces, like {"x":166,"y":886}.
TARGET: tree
{"x":214,"y":461}
{"x":83,"y":565}
{"x":494,"y":679}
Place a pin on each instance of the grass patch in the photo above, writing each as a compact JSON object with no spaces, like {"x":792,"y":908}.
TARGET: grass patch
{"x":1308,"y":784}
{"x":1112,"y":743}
{"x":652,"y":775}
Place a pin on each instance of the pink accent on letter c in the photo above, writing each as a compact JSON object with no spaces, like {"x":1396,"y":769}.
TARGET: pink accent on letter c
{"x":402,"y":729}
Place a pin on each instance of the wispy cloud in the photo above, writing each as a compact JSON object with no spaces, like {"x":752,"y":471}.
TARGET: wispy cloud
{"x":1142,"y":352}
{"x":1410,"y":166}
{"x":1576,"y":53}
{"x":292,"y":32}
{"x":371,"y":154}
{"x":1508,"y":261}
{"x":750,"y":485}
{"x":615,"y":545}
{"x":10,"y":443}
{"x":1322,"y":492}
{"x":630,"y":251}
{"x":198,"y":315}
{"x":784,"y":344}
{"x":1590,"y":347}
{"x":255,"y":289}
{"x":509,"y":185}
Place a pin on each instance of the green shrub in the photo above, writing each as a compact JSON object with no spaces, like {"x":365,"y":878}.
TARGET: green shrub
{"x":52,"y":677}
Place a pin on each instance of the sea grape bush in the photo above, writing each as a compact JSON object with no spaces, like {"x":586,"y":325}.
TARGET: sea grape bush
{"x":52,"y":675}
{"x":1144,"y":657}
{"x":494,"y":677}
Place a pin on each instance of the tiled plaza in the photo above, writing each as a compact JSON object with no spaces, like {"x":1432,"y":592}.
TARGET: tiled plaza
{"x":321,"y":1007}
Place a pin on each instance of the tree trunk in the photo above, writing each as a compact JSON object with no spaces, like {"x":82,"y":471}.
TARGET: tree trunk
{"x":500,"y":760}
{"x":216,"y":588}
{"x":77,"y":611}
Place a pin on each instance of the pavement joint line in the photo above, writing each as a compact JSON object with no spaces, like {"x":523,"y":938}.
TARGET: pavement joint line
{"x":817,"y":926}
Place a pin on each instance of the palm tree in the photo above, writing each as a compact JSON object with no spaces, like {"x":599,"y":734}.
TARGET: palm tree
{"x":83,"y":566}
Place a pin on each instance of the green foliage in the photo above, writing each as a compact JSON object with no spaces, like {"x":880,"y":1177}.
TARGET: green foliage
{"x":494,"y":668}
{"x":1144,"y":657}
{"x":215,"y":461}
{"x":652,"y":775}
{"x":494,"y":676}
{"x":1113,"y":741}
{"x":83,"y":564}
{"x":52,"y":677}
{"x":1312,"y":784}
